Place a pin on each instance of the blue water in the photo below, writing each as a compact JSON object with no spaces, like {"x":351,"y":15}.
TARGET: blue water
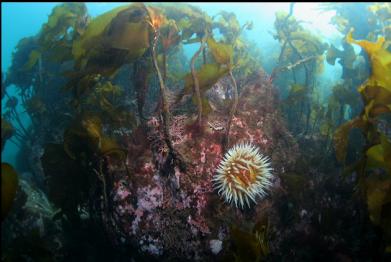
{"x":25,"y":19}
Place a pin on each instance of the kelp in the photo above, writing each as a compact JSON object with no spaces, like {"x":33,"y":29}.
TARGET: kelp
{"x":316,"y":117}
{"x":346,"y":59}
{"x":85,"y":137}
{"x":376,"y":91}
{"x":380,"y":61}
{"x":170,"y":36}
{"x":227,"y":22}
{"x":343,"y":94}
{"x":191,"y":21}
{"x":126,"y":31}
{"x":69,"y":167}
{"x":193,"y":30}
{"x":381,"y":18}
{"x":207,"y":75}
{"x":261,"y":231}
{"x":62,"y":18}
{"x":81,"y":84}
{"x":142,"y":68}
{"x":120,"y":116}
{"x":307,"y":42}
{"x":7,"y":131}
{"x":222,"y":53}
{"x":346,"y":17}
{"x":378,"y":198}
{"x":376,"y":95}
{"x":35,"y":106}
{"x":110,"y":41}
{"x":380,"y":155}
{"x":9,"y":185}
{"x":228,"y":25}
{"x":251,"y":245}
{"x":65,"y":178}
{"x":22,"y":71}
{"x":298,"y":99}
{"x":155,"y":20}
{"x":247,"y":245}
{"x":225,"y":141}
{"x":196,"y":84}
{"x":343,"y":97}
{"x":341,"y":137}
{"x":33,"y":60}
{"x":297,"y":44}
{"x":66,"y":22}
{"x":93,"y":30}
{"x":341,"y":23}
{"x":104,"y":97}
{"x":183,"y":11}
{"x":302,"y":52}
{"x":297,"y":93}
{"x":247,"y":62}
{"x":110,"y":147}
{"x":285,"y":23}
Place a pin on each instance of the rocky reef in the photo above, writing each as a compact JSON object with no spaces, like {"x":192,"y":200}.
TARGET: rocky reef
{"x":179,"y":214}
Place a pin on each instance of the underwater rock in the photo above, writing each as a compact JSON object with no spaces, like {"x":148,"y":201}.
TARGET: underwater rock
{"x":36,"y":234}
{"x":216,"y":246}
{"x":184,"y":205}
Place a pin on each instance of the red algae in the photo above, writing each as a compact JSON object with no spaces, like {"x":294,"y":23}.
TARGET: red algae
{"x":148,"y":208}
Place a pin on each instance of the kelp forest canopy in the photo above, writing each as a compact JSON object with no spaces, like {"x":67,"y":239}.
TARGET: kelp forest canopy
{"x":77,"y":66}
{"x":115,"y":98}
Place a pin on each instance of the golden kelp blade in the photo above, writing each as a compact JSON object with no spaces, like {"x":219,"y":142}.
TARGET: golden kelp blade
{"x":222,"y":53}
{"x":94,"y":29}
{"x":380,"y":60}
{"x":9,"y":184}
